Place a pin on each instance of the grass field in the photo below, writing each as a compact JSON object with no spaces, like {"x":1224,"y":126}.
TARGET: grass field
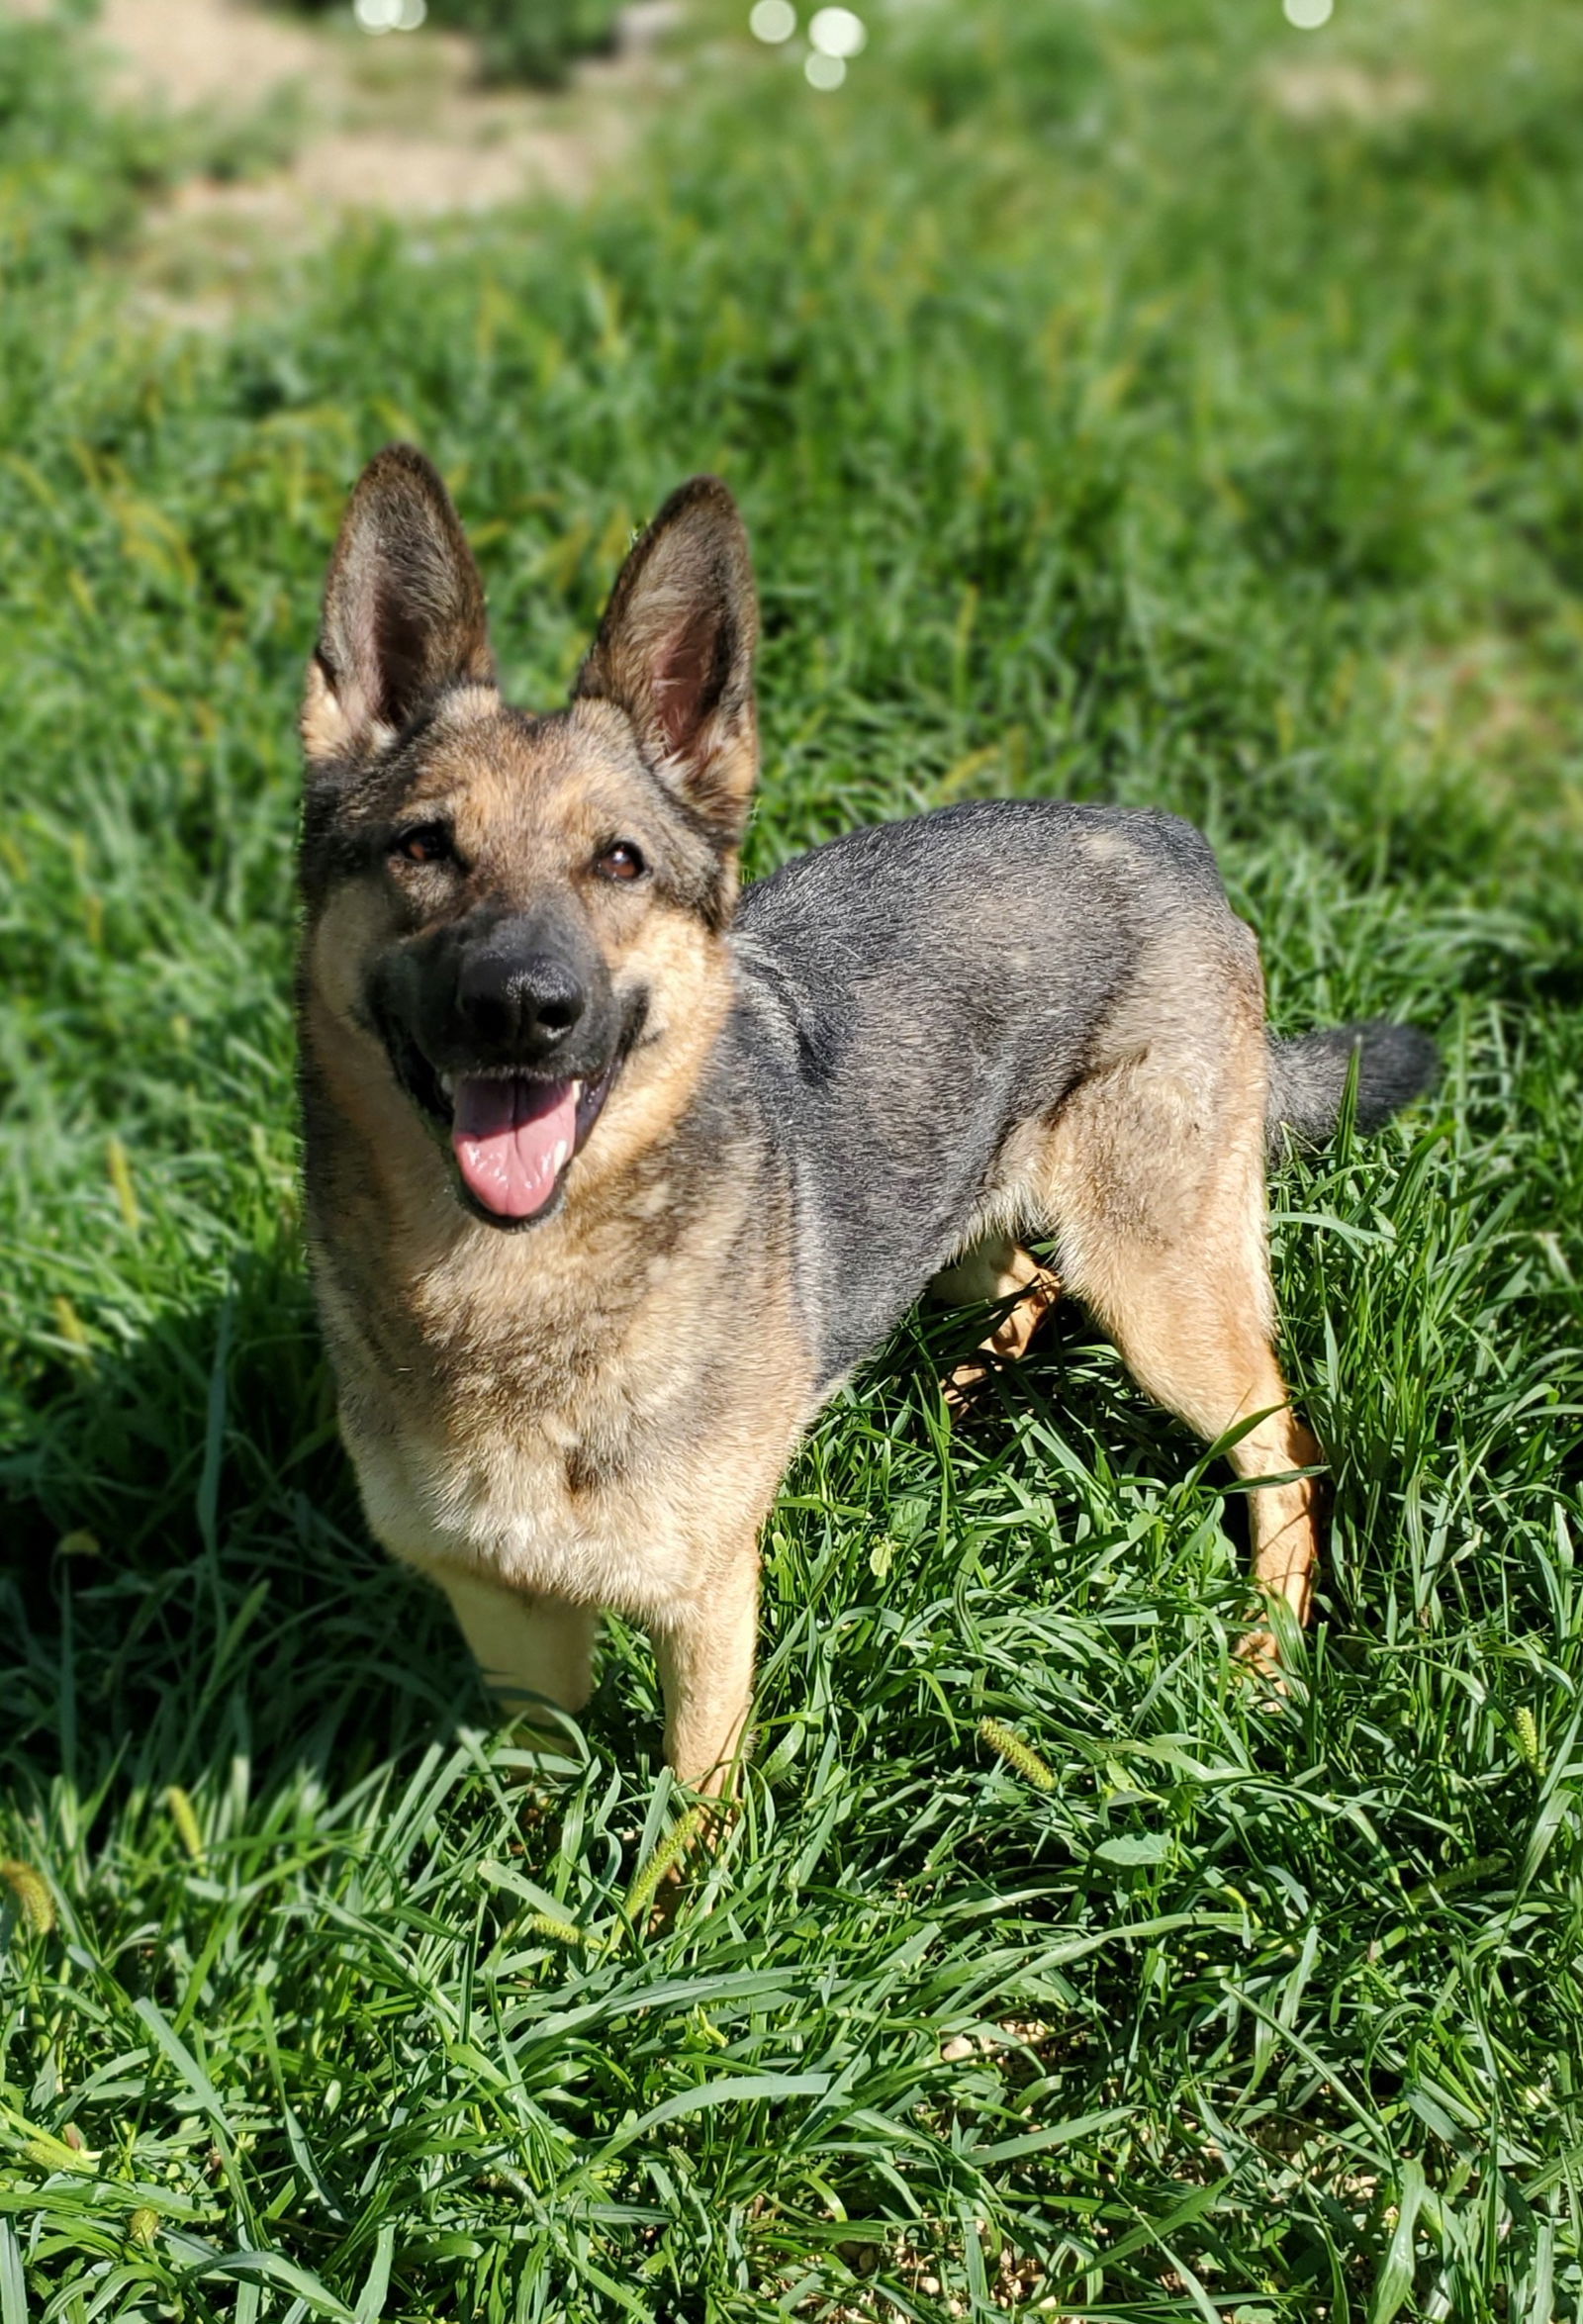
{"x":1140,"y":401}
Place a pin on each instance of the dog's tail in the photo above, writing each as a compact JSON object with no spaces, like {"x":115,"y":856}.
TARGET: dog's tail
{"x":1308,"y":1079}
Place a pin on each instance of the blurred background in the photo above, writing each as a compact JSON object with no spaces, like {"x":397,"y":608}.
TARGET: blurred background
{"x":1177,"y":401}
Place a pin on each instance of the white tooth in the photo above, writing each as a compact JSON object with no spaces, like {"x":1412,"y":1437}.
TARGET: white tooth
{"x":447,"y":1082}
{"x":562,"y":1150}
{"x":577,"y":1092}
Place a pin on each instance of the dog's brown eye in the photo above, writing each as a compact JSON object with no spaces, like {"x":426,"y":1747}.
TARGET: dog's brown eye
{"x":622,"y":862}
{"x":426,"y":843}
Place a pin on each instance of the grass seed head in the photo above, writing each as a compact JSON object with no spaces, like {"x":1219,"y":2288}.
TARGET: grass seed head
{"x":31,"y":1891}
{"x":676,"y":1844}
{"x":1018,"y":1754}
{"x":185,"y":1818}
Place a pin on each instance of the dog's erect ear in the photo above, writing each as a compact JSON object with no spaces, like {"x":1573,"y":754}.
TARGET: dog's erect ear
{"x":675,"y":652}
{"x":403,"y":610}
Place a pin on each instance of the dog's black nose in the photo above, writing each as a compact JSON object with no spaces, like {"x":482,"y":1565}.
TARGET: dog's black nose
{"x":519,"y":1004}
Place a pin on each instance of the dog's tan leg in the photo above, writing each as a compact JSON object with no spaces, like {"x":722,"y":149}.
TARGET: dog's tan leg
{"x":530,"y":1649}
{"x":994,"y":1272}
{"x":706,"y":1652}
{"x":1156,"y":1177}
{"x":1198,"y":1349}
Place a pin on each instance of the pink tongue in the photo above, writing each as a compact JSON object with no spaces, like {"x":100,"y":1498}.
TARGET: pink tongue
{"x":512,"y":1138}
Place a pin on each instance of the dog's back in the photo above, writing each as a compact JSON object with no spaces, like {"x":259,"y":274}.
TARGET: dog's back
{"x":915,"y":995}
{"x":914,"y":992}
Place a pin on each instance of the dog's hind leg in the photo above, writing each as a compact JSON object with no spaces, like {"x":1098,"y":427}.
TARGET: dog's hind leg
{"x":1155,"y":1174}
{"x":530,"y":1650}
{"x":994,"y":1272}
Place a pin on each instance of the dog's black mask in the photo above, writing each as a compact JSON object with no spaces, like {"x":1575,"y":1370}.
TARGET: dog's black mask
{"x":504,"y":1030}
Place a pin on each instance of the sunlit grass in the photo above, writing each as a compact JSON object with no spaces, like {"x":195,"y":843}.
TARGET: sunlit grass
{"x":1116,"y":417}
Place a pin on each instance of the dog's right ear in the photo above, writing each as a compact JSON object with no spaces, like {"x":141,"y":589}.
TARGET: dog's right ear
{"x":404,"y":612}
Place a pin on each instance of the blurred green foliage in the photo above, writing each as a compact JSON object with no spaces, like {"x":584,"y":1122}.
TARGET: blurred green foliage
{"x":532,"y":40}
{"x":63,"y":185}
{"x":1040,"y":69}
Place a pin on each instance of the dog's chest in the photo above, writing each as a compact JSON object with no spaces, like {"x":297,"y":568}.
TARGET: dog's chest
{"x":538,"y":1502}
{"x":542,"y":1454}
{"x":557,"y":1495}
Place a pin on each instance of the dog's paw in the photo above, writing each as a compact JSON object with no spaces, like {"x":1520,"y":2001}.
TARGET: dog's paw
{"x":1008,"y":1344}
{"x":963,"y":1388}
{"x":1258,"y":1653}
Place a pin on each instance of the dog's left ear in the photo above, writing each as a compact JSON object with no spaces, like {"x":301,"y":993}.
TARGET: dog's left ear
{"x":675,"y":652}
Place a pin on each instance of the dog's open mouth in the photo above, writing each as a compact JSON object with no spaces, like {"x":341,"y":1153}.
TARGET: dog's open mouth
{"x":512,"y":1138}
{"x":515,"y":1136}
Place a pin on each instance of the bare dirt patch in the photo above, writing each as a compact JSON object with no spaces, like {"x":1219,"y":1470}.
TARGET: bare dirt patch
{"x":397,"y":125}
{"x":1505,"y":710}
{"x":190,"y":53}
{"x":1340,"y":91}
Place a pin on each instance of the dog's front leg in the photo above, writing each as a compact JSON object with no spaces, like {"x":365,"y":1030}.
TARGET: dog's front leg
{"x":704,"y":1649}
{"x":530,"y":1650}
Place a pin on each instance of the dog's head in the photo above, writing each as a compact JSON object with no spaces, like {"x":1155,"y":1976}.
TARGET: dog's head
{"x":520,"y":919}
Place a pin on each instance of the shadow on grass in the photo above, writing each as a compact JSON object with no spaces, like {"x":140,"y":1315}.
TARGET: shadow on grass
{"x":186,"y":1582}
{"x":186,"y":1577}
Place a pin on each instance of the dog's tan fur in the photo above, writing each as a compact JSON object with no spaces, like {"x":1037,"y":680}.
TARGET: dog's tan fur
{"x":1003,"y":1275}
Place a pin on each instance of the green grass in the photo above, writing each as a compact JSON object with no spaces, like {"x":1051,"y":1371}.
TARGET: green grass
{"x":1117,"y":417}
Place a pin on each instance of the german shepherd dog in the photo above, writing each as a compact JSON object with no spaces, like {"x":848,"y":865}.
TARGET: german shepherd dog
{"x":614,"y":1174}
